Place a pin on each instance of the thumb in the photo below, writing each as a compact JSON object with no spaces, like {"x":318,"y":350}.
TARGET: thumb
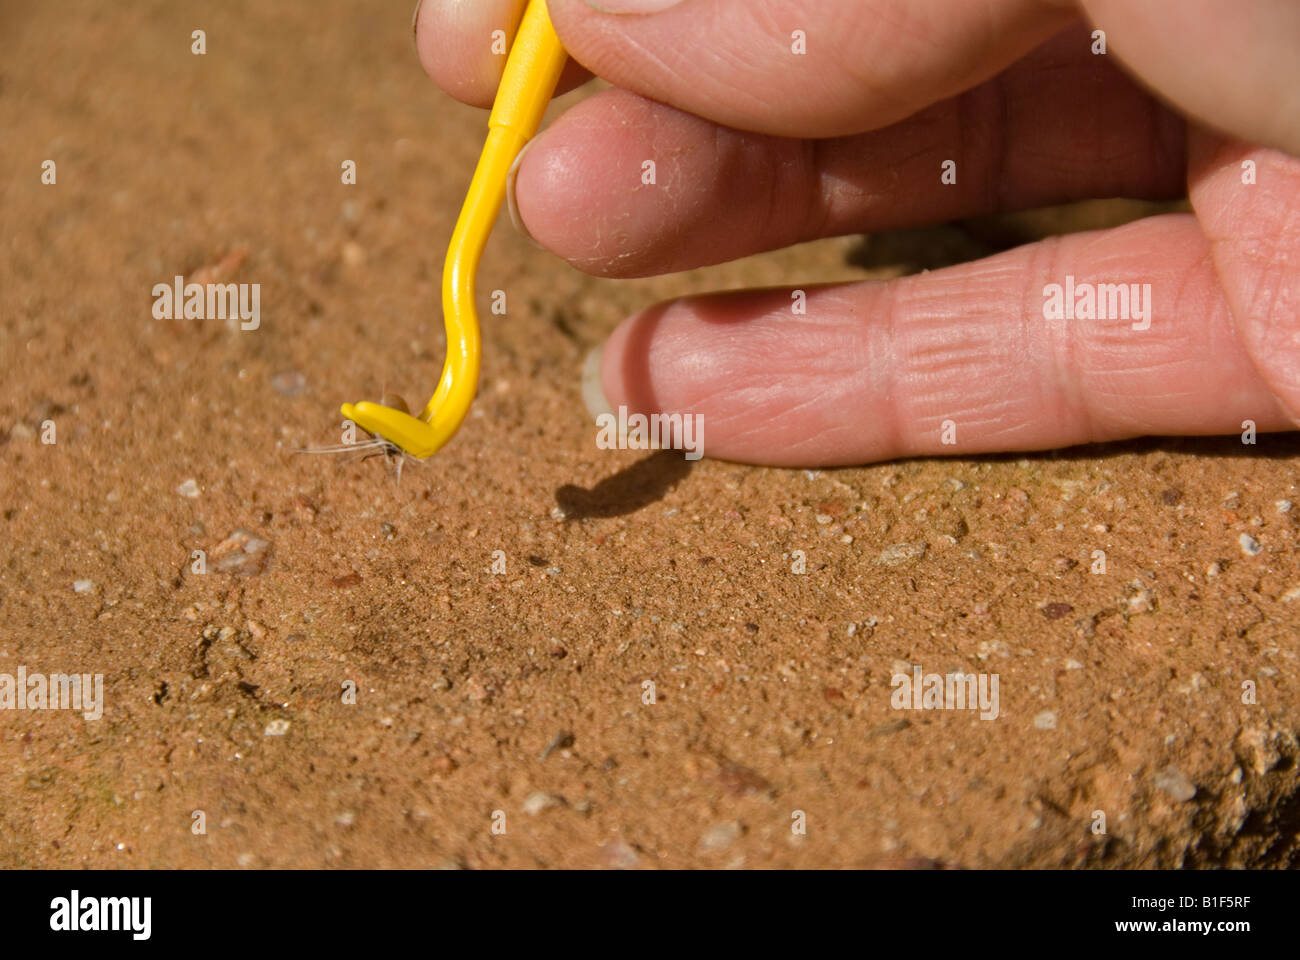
{"x":1233,"y":66}
{"x":806,"y":68}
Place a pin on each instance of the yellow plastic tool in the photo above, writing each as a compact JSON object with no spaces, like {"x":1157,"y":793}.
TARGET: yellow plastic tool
{"x":531,"y":73}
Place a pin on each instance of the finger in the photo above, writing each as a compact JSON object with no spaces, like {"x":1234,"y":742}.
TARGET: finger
{"x":1247,"y":200}
{"x":957,"y":361}
{"x":462,"y":45}
{"x":808,"y":68}
{"x":718,"y":194}
{"x":1233,"y":66}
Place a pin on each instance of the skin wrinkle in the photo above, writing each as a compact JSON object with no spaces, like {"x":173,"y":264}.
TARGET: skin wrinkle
{"x":1036,"y":344}
{"x":1074,"y":398}
{"x":893,"y":411}
{"x":764,"y":14}
{"x":799,"y":203}
{"x":941,"y":356}
{"x":817,"y":214}
{"x":1012,"y":349}
{"x":771,"y":204}
{"x":804,"y":437}
{"x":998,"y":188}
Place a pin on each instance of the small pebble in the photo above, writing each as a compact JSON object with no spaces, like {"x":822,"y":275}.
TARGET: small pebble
{"x":619,"y":855}
{"x":1046,"y":720}
{"x":1283,"y":506}
{"x":190,"y":488}
{"x":444,"y":765}
{"x":720,"y":836}
{"x":277,"y":728}
{"x":1249,"y":545}
{"x":1175,"y":783}
{"x":536,"y":802}
{"x":1055,"y":611}
{"x":900,"y":553}
{"x":83,"y":586}
{"x":241,"y":553}
{"x":290,"y":383}
{"x":1140,"y":598}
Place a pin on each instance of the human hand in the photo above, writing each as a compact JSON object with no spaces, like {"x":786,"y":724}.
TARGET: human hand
{"x":758,"y":146}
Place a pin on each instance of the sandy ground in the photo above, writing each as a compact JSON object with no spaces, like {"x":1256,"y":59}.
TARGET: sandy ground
{"x":516,"y":700}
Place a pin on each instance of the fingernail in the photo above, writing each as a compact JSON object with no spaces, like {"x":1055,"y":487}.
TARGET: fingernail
{"x":511,"y":205}
{"x":632,"y":6}
{"x":415,"y":25}
{"x":593,"y":392}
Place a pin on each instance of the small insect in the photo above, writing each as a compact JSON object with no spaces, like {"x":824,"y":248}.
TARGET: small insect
{"x":376,"y":446}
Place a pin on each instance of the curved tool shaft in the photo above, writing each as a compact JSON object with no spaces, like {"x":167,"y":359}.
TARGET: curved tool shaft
{"x":531,"y":73}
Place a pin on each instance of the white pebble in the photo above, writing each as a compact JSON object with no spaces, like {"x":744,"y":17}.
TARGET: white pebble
{"x":536,"y":802}
{"x":901,"y":553}
{"x":1249,"y":545}
{"x":83,"y":586}
{"x":190,"y":488}
{"x":1046,"y":720}
{"x":721,"y":836}
{"x":1175,"y":783}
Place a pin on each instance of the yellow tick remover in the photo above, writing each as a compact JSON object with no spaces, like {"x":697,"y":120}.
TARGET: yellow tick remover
{"x":531,"y":73}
